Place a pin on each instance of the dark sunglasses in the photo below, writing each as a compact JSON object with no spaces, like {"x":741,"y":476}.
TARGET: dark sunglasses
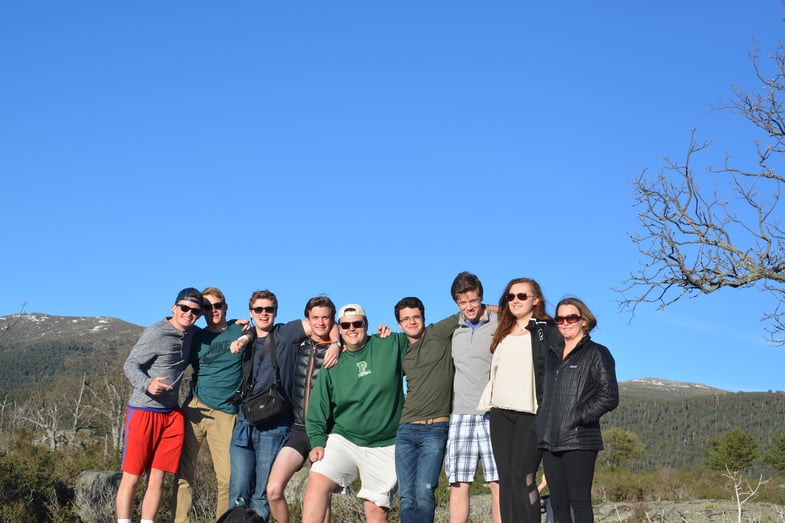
{"x":268,"y":310}
{"x":521,"y":296}
{"x":570,"y":318}
{"x":186,"y":308}
{"x":219,"y":305}
{"x":356,"y":324}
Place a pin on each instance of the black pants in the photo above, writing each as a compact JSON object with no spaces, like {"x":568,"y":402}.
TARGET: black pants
{"x":570,"y":475}
{"x":517,"y":459}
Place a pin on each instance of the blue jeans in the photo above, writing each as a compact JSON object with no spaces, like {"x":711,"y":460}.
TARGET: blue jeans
{"x":251,"y":455}
{"x":419,"y":453}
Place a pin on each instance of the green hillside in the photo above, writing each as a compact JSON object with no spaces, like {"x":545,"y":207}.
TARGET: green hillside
{"x":37,"y":350}
{"x":677,"y":431}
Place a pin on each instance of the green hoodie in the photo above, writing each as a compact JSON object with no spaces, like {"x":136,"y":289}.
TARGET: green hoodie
{"x":362,"y":395}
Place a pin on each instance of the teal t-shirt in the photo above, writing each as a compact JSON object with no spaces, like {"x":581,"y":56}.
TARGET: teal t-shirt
{"x":362,"y":394}
{"x":217,"y":372}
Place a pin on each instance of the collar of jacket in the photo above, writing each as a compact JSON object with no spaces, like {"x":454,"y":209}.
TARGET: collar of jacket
{"x":486,"y":317}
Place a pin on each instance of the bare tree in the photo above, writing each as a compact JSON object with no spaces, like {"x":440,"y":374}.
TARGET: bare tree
{"x":109,"y":400}
{"x":81,"y":412}
{"x":59,"y":413}
{"x":3,"y":407}
{"x":743,"y":490}
{"x":44,"y":415}
{"x":8,"y":326}
{"x":702,"y":231}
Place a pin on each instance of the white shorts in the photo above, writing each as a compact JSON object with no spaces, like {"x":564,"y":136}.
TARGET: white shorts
{"x":343,"y":460}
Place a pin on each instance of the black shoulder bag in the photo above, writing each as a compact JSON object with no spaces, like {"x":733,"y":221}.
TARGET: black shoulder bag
{"x":262,"y":407}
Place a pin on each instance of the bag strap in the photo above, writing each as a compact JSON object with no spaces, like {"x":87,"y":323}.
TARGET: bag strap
{"x":249,"y":377}
{"x":273,"y":362}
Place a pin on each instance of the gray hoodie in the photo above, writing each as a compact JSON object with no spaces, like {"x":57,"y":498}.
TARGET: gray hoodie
{"x":162,"y":350}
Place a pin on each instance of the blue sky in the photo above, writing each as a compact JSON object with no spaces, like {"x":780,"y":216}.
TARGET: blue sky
{"x":369,"y":151}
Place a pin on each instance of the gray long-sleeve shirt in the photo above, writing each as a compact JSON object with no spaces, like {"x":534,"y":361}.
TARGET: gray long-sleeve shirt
{"x":472,"y":357}
{"x":162,"y":350}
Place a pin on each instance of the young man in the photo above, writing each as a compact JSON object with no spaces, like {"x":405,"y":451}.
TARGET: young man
{"x":362,"y":397}
{"x":469,"y":438}
{"x":254,"y":448}
{"x":209,"y":411}
{"x":153,"y":421}
{"x":422,"y":434}
{"x":319,"y":349}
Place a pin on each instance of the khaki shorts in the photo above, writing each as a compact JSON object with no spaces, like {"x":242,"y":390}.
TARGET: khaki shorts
{"x":343,"y":461}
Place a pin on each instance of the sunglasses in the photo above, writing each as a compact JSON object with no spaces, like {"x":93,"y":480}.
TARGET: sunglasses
{"x":521,"y":296}
{"x":356,"y":324}
{"x":268,"y":310}
{"x":219,"y":305}
{"x":569,"y":319}
{"x":186,"y":308}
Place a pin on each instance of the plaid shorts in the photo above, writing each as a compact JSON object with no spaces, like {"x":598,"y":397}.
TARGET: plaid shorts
{"x":469,"y":440}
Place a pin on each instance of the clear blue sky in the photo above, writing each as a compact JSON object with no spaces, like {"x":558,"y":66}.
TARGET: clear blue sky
{"x":369,"y":151}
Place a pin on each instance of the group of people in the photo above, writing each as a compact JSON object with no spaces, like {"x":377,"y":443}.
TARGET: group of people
{"x":507,"y":386}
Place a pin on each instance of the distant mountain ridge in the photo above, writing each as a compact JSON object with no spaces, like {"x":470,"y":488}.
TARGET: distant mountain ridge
{"x":659,"y":388}
{"x":675,"y":420}
{"x":38,"y":349}
{"x":24,"y":327}
{"x":108,"y":339}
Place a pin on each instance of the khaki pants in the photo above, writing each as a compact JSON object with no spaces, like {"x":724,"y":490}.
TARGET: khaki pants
{"x":203,"y":423}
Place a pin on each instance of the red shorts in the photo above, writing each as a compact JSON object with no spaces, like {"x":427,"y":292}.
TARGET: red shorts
{"x":152,"y":440}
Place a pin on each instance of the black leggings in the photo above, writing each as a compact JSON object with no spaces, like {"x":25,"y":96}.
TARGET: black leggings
{"x":517,"y":459}
{"x":570,"y":475}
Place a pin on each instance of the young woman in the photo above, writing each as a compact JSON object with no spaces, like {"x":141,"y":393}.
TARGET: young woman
{"x":580,"y":386}
{"x":520,"y":346}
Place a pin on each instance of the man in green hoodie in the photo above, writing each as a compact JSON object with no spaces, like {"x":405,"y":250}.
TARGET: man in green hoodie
{"x":362,"y":397}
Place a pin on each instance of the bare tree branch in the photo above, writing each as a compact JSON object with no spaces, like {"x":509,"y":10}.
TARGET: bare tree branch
{"x":702,"y":231}
{"x":743,"y":491}
{"x":8,"y":326}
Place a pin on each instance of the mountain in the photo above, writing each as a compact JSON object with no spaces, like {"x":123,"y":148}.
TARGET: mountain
{"x":100,"y":330}
{"x":664,"y":389}
{"x":36,"y":349}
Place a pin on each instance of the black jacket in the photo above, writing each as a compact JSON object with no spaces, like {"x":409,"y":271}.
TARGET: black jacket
{"x":309,"y":359}
{"x":578,"y":391}
{"x":545,"y":338}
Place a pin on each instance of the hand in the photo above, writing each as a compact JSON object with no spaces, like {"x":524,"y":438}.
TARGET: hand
{"x":245,"y":323}
{"x":316,"y":454}
{"x":239,"y":344}
{"x":331,"y":356}
{"x":157,"y":386}
{"x":383,"y":330}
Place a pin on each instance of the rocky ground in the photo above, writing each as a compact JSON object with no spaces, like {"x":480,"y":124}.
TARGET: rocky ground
{"x":96,"y":490}
{"x":700,"y":511}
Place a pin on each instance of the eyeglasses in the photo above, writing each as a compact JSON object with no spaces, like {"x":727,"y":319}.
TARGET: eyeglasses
{"x":407,"y":319}
{"x":569,"y":319}
{"x":219,"y":305}
{"x":186,"y":308}
{"x":356,"y":324}
{"x":268,"y":310}
{"x":521,"y":296}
